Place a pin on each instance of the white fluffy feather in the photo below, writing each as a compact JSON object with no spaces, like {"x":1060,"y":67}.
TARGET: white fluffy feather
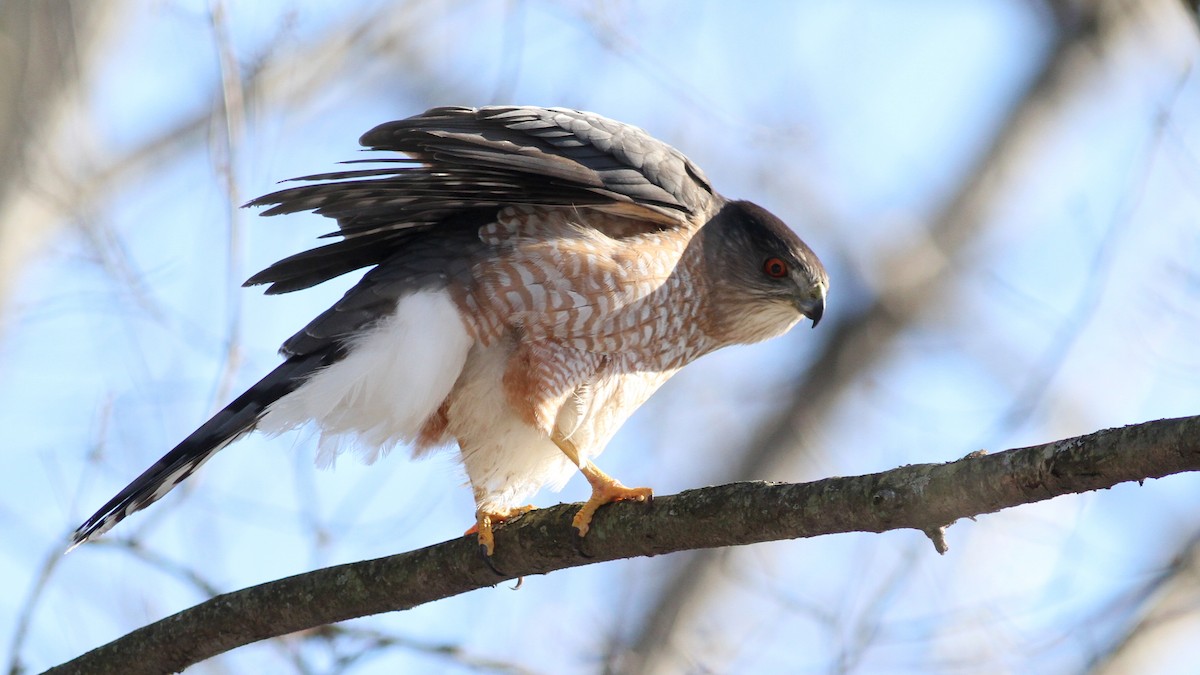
{"x":505,"y":458}
{"x":395,"y":376}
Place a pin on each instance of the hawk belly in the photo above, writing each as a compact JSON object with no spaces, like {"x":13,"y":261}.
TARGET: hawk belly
{"x":506,"y":458}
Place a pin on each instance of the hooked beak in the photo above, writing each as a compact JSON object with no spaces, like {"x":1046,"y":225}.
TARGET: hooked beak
{"x":815,"y":311}
{"x":814,"y":308}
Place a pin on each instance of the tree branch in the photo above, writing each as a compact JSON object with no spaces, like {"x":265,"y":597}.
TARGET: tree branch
{"x":925,"y":497}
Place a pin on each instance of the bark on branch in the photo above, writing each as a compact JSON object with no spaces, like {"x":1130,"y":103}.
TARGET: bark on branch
{"x":925,"y":497}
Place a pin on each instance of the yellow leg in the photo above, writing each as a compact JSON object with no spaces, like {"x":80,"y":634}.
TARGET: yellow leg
{"x":484,"y":520}
{"x":605,"y":488}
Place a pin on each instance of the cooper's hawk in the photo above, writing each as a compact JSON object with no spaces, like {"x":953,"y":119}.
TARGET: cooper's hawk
{"x":537,"y":274}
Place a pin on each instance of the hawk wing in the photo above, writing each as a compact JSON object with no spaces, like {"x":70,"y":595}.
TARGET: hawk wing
{"x":485,"y":158}
{"x":416,"y":220}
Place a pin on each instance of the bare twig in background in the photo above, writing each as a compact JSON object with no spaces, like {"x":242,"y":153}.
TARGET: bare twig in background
{"x":861,"y":342}
{"x":46,"y":51}
{"x":228,"y":144}
{"x":21,"y":630}
{"x":1029,"y":395}
{"x":401,"y":55}
{"x":50,"y":560}
{"x":40,"y":126}
{"x":1170,"y":603}
{"x":367,"y":46}
{"x":366,"y":644}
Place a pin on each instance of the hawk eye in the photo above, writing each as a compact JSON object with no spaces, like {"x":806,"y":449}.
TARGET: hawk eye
{"x":775,"y":268}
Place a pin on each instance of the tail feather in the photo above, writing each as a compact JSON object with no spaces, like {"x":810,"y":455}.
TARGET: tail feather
{"x":232,"y":422}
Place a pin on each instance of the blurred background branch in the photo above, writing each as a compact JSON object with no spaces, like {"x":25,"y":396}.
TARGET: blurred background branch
{"x":46,"y":49}
{"x":1004,"y":192}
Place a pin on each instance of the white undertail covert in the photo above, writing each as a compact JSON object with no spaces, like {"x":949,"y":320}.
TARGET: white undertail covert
{"x":393,"y":379}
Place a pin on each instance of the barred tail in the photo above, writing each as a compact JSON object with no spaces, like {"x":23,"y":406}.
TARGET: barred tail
{"x":232,"y":422}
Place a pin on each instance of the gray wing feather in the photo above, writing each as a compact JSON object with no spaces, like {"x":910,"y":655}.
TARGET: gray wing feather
{"x":471,"y":160}
{"x":583,"y":149}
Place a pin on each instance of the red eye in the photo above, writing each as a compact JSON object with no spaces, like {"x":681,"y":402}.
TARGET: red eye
{"x":775,"y":268}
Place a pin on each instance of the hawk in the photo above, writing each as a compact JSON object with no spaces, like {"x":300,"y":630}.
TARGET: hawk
{"x":535,"y":275}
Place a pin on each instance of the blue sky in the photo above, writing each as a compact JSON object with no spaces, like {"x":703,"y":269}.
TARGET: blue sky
{"x":853,"y":121}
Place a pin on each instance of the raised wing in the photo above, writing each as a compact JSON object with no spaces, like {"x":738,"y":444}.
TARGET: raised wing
{"x":477,"y":160}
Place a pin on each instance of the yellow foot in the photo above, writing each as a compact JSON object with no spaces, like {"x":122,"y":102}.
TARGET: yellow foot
{"x":605,"y":490}
{"x":484,"y":520}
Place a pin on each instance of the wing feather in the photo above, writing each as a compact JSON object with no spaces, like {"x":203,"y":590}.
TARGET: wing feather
{"x":471,"y":159}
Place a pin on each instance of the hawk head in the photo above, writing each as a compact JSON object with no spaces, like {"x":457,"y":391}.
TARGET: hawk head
{"x":763,"y":277}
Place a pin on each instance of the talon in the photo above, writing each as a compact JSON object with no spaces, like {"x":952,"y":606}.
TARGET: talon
{"x":486,"y":557}
{"x":485,"y":520}
{"x":605,"y":490}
